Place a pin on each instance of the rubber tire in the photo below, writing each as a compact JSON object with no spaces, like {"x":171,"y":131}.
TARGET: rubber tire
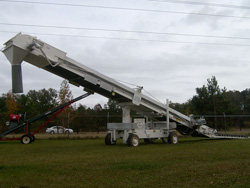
{"x":173,"y":138}
{"x":67,"y":132}
{"x":26,"y":139}
{"x":108,"y":140}
{"x":33,"y":138}
{"x":133,"y":140}
{"x":52,"y":132}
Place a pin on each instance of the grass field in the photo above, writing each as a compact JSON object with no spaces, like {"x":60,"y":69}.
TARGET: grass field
{"x":89,"y":163}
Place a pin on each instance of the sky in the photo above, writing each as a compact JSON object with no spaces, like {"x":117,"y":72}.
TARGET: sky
{"x":172,"y":50}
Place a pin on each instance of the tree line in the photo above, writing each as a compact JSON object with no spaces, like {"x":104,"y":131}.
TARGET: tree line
{"x":219,"y":107}
{"x":80,"y":118}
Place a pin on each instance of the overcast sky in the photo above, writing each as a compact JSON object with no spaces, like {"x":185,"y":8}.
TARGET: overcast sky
{"x":167,"y":70}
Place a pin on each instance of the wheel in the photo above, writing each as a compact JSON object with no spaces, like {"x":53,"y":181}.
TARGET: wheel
{"x":7,"y":123}
{"x":133,"y":140}
{"x":173,"y":138}
{"x":26,"y":139}
{"x":52,"y":132}
{"x":108,"y":140}
{"x":149,"y":140}
{"x":32,"y":138}
{"x":66,"y":132}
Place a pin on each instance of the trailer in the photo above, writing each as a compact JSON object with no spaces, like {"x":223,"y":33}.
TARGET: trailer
{"x":156,"y":121}
{"x":15,"y":122}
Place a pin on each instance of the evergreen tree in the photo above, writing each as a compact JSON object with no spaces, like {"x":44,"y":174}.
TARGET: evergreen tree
{"x":211,"y":100}
{"x":42,"y":100}
{"x":114,"y":111}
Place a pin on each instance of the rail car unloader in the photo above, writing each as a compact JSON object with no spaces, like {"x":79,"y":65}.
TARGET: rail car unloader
{"x":156,"y":121}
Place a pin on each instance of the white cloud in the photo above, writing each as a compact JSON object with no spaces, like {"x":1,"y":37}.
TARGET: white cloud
{"x":166,"y":70}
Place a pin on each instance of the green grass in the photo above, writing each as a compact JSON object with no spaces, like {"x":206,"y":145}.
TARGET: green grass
{"x":90,"y":163}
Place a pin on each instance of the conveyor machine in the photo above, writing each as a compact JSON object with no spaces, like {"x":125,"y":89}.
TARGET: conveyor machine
{"x":156,"y":120}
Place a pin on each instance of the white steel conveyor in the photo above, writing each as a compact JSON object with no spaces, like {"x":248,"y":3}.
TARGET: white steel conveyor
{"x":157,"y":121}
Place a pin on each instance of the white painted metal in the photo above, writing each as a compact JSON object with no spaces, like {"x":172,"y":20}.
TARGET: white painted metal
{"x":24,"y":44}
{"x":167,"y":110}
{"x":38,"y":53}
{"x":126,"y":118}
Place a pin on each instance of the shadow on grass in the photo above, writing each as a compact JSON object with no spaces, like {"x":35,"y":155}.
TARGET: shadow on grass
{"x":10,"y":142}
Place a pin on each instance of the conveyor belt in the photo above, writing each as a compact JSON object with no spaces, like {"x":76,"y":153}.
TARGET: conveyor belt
{"x":38,"y":53}
{"x":40,"y":116}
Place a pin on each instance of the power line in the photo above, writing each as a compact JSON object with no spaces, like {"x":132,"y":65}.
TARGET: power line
{"x":131,"y":39}
{"x":129,"y":9}
{"x":202,"y":3}
{"x":125,"y":31}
